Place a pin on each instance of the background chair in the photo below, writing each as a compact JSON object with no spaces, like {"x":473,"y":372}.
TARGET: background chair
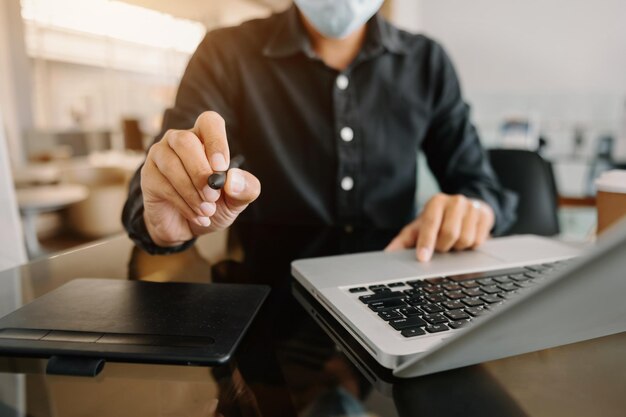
{"x":531,"y":177}
{"x":133,"y":135}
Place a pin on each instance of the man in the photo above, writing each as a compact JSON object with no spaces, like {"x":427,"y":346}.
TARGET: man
{"x":329,"y":104}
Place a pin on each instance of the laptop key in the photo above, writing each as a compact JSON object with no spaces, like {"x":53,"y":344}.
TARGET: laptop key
{"x":357,"y":289}
{"x":486,"y":281}
{"x":386,"y":304}
{"x":455,"y":295}
{"x":414,"y":292}
{"x":389,"y":315}
{"x":473,"y":292}
{"x":509,"y":287}
{"x":380,"y":296}
{"x":436,"y":281}
{"x":491,"y":299}
{"x":416,"y":301}
{"x":436,"y":298}
{"x":494,"y":305}
{"x":472,"y":301}
{"x":458,"y":324}
{"x":431,"y":308}
{"x":519,"y":277}
{"x":410,"y":311}
{"x":400,"y":324}
{"x":377,"y":286}
{"x":457,"y":315}
{"x":433,"y":289}
{"x":490,"y":289}
{"x":435,"y":318}
{"x":452,"y":286}
{"x":418,"y":283}
{"x":396,"y":284}
{"x":470,"y":284}
{"x":377,"y":290}
{"x":412,"y":332}
{"x":507,"y":295}
{"x":453,"y":305}
{"x":437,"y":328}
{"x":475,"y":311}
{"x":502,"y":280}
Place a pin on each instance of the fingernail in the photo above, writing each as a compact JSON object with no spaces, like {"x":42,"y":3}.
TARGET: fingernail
{"x":204,"y":221}
{"x":208,"y":208}
{"x":210,"y":194}
{"x":218,"y":162}
{"x":424,"y":254}
{"x":237,"y":181}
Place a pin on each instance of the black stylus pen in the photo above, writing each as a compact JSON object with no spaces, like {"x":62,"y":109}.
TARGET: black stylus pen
{"x":218,"y":179}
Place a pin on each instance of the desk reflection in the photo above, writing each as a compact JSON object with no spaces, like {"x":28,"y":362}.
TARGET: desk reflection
{"x":290,"y":363}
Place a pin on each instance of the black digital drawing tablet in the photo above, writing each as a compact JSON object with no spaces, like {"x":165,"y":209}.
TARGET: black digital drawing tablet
{"x":134,"y":321}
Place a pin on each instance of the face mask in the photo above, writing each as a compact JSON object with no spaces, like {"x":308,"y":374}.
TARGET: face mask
{"x":338,"y":18}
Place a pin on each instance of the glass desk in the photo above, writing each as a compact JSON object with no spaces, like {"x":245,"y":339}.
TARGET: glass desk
{"x":288,"y":365}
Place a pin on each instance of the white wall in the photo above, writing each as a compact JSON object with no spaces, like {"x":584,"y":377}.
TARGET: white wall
{"x":562,"y":61}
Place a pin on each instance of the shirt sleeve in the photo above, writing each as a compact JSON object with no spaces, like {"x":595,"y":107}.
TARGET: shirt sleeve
{"x":453,"y":149}
{"x":207,"y":84}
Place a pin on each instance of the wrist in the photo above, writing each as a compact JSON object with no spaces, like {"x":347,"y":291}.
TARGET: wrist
{"x":155,"y":236}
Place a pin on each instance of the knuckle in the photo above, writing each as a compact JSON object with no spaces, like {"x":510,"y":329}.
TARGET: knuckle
{"x":459,"y":200}
{"x":182,"y":139}
{"x":439,"y":198}
{"x":166,"y":165}
{"x":169,"y":133}
{"x":449,"y":234}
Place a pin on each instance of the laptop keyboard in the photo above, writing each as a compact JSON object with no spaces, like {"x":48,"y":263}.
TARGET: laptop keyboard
{"x":433,"y":305}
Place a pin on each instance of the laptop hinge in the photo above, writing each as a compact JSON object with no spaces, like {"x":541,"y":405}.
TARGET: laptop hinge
{"x":74,"y":366}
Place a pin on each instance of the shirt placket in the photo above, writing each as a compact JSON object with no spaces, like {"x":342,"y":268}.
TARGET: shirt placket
{"x":347,"y":142}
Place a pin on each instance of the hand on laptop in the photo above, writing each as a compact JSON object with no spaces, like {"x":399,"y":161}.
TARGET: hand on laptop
{"x":178,"y":203}
{"x":447,"y":222}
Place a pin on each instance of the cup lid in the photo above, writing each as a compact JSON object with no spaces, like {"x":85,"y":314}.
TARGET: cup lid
{"x":613,"y":181}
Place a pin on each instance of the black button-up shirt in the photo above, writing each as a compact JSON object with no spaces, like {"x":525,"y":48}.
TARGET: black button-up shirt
{"x":331,"y":147}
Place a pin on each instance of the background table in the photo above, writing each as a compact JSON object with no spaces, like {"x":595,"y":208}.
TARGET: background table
{"x":41,"y":199}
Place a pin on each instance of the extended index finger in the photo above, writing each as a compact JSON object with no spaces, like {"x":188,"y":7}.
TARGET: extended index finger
{"x":431,"y":219}
{"x":211,"y":129}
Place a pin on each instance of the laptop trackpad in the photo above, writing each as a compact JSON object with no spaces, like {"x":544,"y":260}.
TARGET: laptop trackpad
{"x":528,"y":249}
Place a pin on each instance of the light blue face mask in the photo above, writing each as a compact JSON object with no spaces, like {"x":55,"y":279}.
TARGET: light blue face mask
{"x":338,"y":18}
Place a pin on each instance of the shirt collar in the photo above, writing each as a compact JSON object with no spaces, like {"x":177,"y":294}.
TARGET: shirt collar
{"x":290,"y":37}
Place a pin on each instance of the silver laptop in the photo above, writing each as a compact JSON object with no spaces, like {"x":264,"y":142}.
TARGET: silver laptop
{"x":513,"y":295}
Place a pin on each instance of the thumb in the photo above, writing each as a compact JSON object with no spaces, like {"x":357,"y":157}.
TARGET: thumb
{"x":241,"y":189}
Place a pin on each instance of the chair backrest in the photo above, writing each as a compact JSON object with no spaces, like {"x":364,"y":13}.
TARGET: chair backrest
{"x":133,"y":136}
{"x":532,"y":178}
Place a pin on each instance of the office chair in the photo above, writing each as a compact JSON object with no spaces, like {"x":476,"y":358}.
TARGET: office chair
{"x":531,"y":177}
{"x":133,"y":136}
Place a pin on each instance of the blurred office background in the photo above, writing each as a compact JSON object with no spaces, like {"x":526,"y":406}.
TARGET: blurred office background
{"x":83,"y":84}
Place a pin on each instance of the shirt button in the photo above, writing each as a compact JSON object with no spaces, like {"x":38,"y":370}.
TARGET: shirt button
{"x":342,"y":82}
{"x":346,"y":134}
{"x":347,"y":183}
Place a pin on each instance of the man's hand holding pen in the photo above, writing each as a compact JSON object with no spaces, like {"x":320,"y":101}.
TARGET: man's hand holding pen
{"x":178,"y":202}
